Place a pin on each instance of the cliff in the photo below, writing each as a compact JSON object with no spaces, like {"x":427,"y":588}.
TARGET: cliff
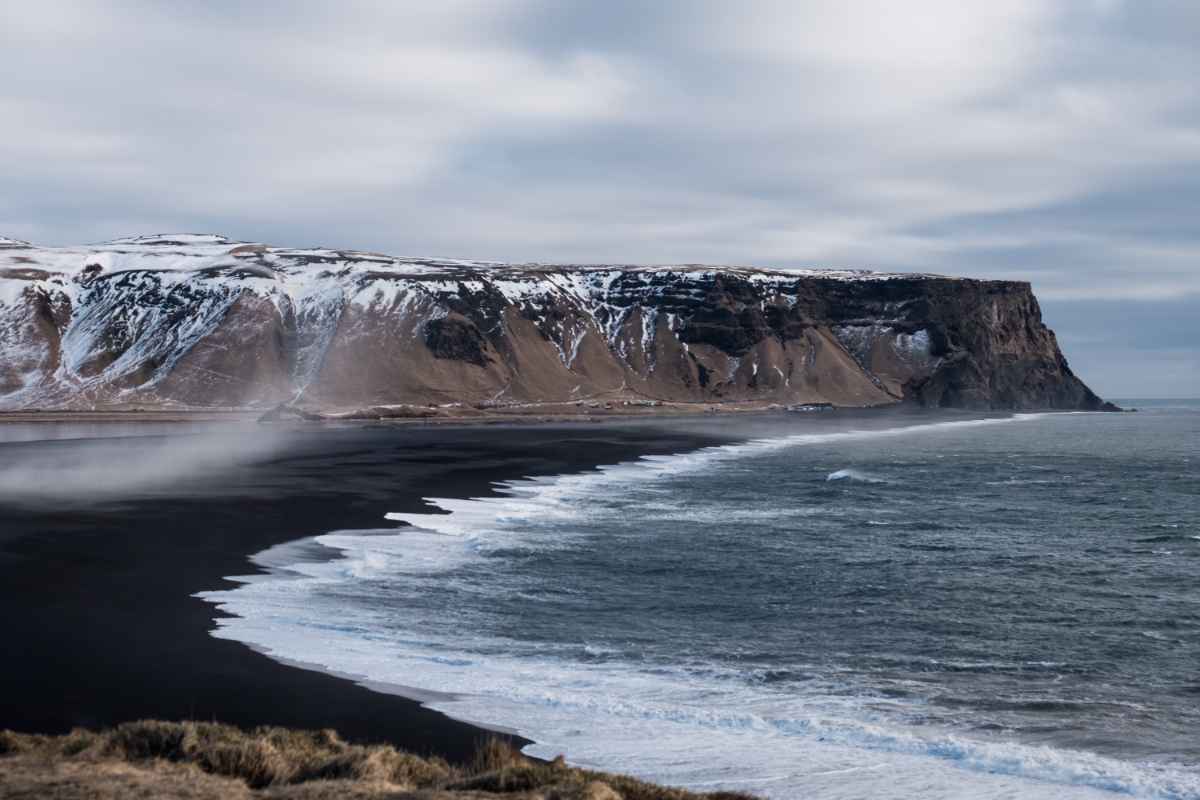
{"x":199,"y":320}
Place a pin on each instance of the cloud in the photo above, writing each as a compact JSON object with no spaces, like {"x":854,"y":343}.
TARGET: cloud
{"x":1051,"y":142}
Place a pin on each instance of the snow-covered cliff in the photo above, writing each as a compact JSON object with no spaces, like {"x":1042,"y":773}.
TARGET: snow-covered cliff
{"x":200,"y":320}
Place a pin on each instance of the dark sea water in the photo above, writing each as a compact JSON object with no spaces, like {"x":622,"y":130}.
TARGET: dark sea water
{"x":923,"y":606}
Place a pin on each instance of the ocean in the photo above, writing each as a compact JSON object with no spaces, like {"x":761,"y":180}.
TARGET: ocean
{"x":829,"y":606}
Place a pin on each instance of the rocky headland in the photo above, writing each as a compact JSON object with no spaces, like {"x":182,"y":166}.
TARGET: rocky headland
{"x":198,"y":321}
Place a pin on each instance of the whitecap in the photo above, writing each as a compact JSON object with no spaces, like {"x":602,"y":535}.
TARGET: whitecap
{"x":853,"y":475}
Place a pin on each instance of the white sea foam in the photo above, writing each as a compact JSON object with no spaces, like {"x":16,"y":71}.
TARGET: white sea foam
{"x":853,"y":475}
{"x":670,"y":725}
{"x":551,"y":497}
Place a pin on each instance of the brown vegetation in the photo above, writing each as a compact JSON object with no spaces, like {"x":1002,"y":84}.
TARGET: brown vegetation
{"x":206,"y":761}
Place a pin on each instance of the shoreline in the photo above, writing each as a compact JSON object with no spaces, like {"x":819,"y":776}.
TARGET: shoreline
{"x":541,"y":734}
{"x":437,"y":699}
{"x":520,"y":415}
{"x":523,"y":415}
{"x":100,"y":599}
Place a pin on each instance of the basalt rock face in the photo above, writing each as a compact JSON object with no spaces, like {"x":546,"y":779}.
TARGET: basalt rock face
{"x":203,"y":321}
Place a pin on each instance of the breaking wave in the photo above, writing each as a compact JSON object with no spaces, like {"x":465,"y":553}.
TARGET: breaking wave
{"x":853,"y":475}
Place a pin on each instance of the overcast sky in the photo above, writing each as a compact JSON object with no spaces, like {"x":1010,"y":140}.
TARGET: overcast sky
{"x":1052,"y":142}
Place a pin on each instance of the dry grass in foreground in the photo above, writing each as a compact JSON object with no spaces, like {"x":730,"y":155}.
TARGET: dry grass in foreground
{"x":203,"y":760}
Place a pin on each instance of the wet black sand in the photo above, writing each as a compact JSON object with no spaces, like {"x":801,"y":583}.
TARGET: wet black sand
{"x":99,"y":622}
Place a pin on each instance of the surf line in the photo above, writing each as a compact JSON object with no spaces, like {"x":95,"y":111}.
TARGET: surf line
{"x":522,"y":497}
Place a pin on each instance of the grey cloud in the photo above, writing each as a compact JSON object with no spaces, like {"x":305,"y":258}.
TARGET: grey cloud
{"x":1052,"y":142}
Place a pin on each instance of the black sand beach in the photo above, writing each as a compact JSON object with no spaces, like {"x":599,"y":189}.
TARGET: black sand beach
{"x":96,"y":589}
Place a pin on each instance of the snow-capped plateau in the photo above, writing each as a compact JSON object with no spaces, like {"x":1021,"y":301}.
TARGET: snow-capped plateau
{"x":199,"y":320}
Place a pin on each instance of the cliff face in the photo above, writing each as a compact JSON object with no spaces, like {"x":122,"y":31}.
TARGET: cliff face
{"x":204,"y":321}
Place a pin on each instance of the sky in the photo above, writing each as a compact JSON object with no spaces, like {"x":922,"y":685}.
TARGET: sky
{"x":1053,"y":142}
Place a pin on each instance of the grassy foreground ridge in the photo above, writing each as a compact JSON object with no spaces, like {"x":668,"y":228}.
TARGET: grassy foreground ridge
{"x":202,"y":760}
